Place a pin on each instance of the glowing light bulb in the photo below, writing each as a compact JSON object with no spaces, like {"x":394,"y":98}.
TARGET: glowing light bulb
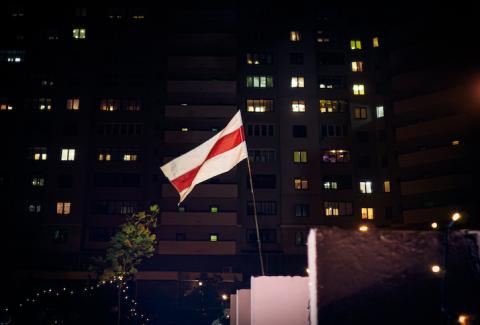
{"x":436,"y":268}
{"x":456,"y":216}
{"x":434,"y":225}
{"x":363,"y":228}
{"x":224,"y":297}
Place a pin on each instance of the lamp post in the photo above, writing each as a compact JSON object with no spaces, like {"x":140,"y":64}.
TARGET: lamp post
{"x":455,"y":217}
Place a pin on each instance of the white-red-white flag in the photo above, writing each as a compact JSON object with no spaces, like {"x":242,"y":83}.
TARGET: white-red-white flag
{"x":216,"y":156}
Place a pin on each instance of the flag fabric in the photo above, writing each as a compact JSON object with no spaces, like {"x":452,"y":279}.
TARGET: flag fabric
{"x":216,"y":156}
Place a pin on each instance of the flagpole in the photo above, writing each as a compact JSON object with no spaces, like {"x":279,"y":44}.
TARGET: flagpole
{"x":255,"y":215}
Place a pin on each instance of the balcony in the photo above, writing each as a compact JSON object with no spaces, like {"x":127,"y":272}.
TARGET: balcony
{"x":443,"y":183}
{"x":205,"y":191}
{"x":202,"y":67}
{"x":202,"y":91}
{"x":199,"y":219}
{"x":187,"y":136}
{"x":200,"y":111}
{"x":446,"y":125}
{"x":202,"y":44}
{"x":172,"y":247}
{"x":431,"y":156}
{"x":428,"y":215}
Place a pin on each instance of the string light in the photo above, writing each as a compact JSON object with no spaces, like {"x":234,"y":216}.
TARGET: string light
{"x":57,"y":293}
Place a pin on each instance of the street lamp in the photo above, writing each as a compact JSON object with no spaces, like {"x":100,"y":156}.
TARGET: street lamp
{"x":455,"y":217}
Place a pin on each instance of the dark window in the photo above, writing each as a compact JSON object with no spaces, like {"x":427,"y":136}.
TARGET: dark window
{"x":301,"y":238}
{"x":266,"y":236}
{"x":60,"y":236}
{"x":260,"y":130}
{"x":301,"y":210}
{"x":388,"y":212}
{"x":264,"y":208}
{"x":115,"y":207}
{"x":116,"y":180}
{"x":299,"y":131}
{"x":364,"y":162}
{"x":180,"y":236}
{"x":362,"y":136}
{"x":382,"y":135}
{"x":101,"y":234}
{"x":331,"y":58}
{"x":70,"y":129}
{"x":65,"y":180}
{"x":261,"y":155}
{"x":296,"y":58}
{"x":262,"y":181}
{"x":334,"y":130}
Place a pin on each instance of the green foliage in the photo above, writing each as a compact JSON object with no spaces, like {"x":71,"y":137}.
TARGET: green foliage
{"x":134,"y":241}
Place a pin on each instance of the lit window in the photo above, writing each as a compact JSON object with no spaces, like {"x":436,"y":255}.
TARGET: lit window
{"x":259,"y":81}
{"x":214,"y":208}
{"x":359,"y":89}
{"x":73,"y":104}
{"x":44,"y":104}
{"x":360,"y":113}
{"x":321,"y":37}
{"x":455,"y":142}
{"x":357,"y":66}
{"x":297,"y":82}
{"x":109,"y":105}
{"x":336,"y":156}
{"x":79,"y":33}
{"x":338,"y":208}
{"x":12,"y":56}
{"x":386,"y":186}
{"x":380,"y":112}
{"x":355,"y":45}
{"x":332,"y":106}
{"x":130,"y":157}
{"x":34,"y":207}
{"x":46,"y":83}
{"x":213,"y":237}
{"x":104,"y":157}
{"x":295,"y":36}
{"x":366,"y":187}
{"x":5,"y":107}
{"x":68,"y":155}
{"x":259,"y":58}
{"x":301,"y":183}
{"x":300,"y":157}
{"x":330,"y":185}
{"x":367,"y":213}
{"x":375,"y":42}
{"x":298,"y":105}
{"x":39,"y":153}
{"x":38,"y":181}
{"x":63,"y":208}
{"x":259,"y":105}
{"x":133,"y":105}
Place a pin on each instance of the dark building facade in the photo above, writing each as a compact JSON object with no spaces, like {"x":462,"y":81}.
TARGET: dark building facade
{"x":95,"y":100}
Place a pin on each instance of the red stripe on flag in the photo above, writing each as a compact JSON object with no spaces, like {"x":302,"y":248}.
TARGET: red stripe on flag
{"x":222,"y":145}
